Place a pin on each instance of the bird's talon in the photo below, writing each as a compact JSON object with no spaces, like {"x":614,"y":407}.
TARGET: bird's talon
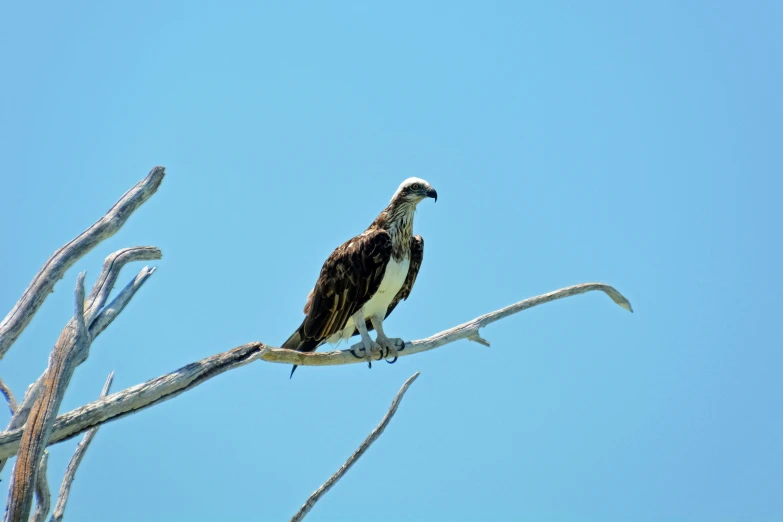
{"x":393,"y":360}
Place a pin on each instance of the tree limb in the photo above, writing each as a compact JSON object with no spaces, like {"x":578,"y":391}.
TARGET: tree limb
{"x":69,"y":351}
{"x":469,"y":330}
{"x":70,"y":472}
{"x":117,"y":305}
{"x":9,"y":396}
{"x":140,"y":396}
{"x":167,"y":386}
{"x":42,"y":494}
{"x":56,"y":266}
{"x":316,"y":496}
{"x":111,"y":269}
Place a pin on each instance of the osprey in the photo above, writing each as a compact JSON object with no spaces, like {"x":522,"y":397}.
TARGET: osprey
{"x":365,"y":278}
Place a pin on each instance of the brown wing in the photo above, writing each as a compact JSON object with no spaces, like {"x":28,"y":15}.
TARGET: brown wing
{"x":417,"y":256}
{"x":348,"y":279}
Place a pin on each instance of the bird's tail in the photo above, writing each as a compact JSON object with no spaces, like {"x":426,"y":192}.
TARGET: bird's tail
{"x":298,"y":342}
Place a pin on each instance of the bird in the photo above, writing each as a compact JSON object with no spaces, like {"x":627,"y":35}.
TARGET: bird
{"x":365,"y":278}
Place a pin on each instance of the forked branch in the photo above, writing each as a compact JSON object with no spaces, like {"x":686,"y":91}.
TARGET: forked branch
{"x":70,"y":350}
{"x":172,"y":384}
{"x":101,"y":315}
{"x":56,"y":266}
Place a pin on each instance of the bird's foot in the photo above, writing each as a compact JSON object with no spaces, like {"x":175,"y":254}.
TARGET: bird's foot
{"x":390,"y":347}
{"x":371,"y":351}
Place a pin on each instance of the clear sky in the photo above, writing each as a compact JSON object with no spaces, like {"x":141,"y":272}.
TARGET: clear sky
{"x":637,"y":144}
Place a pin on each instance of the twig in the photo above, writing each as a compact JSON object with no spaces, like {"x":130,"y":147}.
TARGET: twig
{"x":167,"y":386}
{"x":9,"y":396}
{"x":70,"y":472}
{"x":42,"y":494}
{"x":358,"y":453}
{"x":69,"y":351}
{"x":56,"y":266}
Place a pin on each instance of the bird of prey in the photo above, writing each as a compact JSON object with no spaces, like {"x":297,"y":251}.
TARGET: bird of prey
{"x":365,"y":278}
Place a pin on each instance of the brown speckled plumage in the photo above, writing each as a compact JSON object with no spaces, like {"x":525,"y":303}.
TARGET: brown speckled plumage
{"x":353,"y":272}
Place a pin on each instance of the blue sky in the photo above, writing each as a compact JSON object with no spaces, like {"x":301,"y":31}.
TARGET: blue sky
{"x":636,"y":144}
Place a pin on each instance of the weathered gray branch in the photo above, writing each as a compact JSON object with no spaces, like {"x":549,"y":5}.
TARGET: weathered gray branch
{"x":117,"y":305}
{"x":42,"y":494}
{"x":70,"y":350}
{"x":56,"y":266}
{"x":170,"y":385}
{"x":307,"y":506}
{"x":9,"y":397}
{"x":70,"y":472}
{"x":100,"y":318}
{"x":469,"y":330}
{"x":111,"y":271}
{"x":140,"y":396}
{"x":23,"y":409}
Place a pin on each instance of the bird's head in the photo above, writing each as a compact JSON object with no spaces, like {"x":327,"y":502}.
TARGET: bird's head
{"x":412,"y":191}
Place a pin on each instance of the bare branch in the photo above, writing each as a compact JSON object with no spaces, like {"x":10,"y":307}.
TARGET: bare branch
{"x":140,"y":396}
{"x":172,"y":384}
{"x":9,"y":396}
{"x":69,"y":351}
{"x":469,"y":330}
{"x":315,"y":497}
{"x":56,"y":266}
{"x":23,"y":410}
{"x":111,"y":270}
{"x":70,"y":472}
{"x":112,"y":267}
{"x":117,"y":305}
{"x":42,"y":494}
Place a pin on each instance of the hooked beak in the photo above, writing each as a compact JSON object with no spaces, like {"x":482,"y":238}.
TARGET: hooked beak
{"x":432,"y":193}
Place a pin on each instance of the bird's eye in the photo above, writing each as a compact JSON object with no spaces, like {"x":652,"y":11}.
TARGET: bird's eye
{"x":415,"y":186}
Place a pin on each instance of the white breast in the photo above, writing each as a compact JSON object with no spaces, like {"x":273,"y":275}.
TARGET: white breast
{"x":393,"y":279}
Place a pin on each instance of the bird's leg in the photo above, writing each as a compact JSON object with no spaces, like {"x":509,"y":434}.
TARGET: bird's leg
{"x":370,"y":346}
{"x":388,"y":345}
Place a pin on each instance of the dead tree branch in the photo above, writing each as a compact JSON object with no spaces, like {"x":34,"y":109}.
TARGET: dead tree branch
{"x":100,"y":316}
{"x":117,"y":305}
{"x":70,"y":471}
{"x":9,"y":397}
{"x":315,"y":497}
{"x":172,"y":384}
{"x":70,"y":350}
{"x":42,"y":494}
{"x":140,"y":396}
{"x":469,"y":330}
{"x":56,"y":266}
